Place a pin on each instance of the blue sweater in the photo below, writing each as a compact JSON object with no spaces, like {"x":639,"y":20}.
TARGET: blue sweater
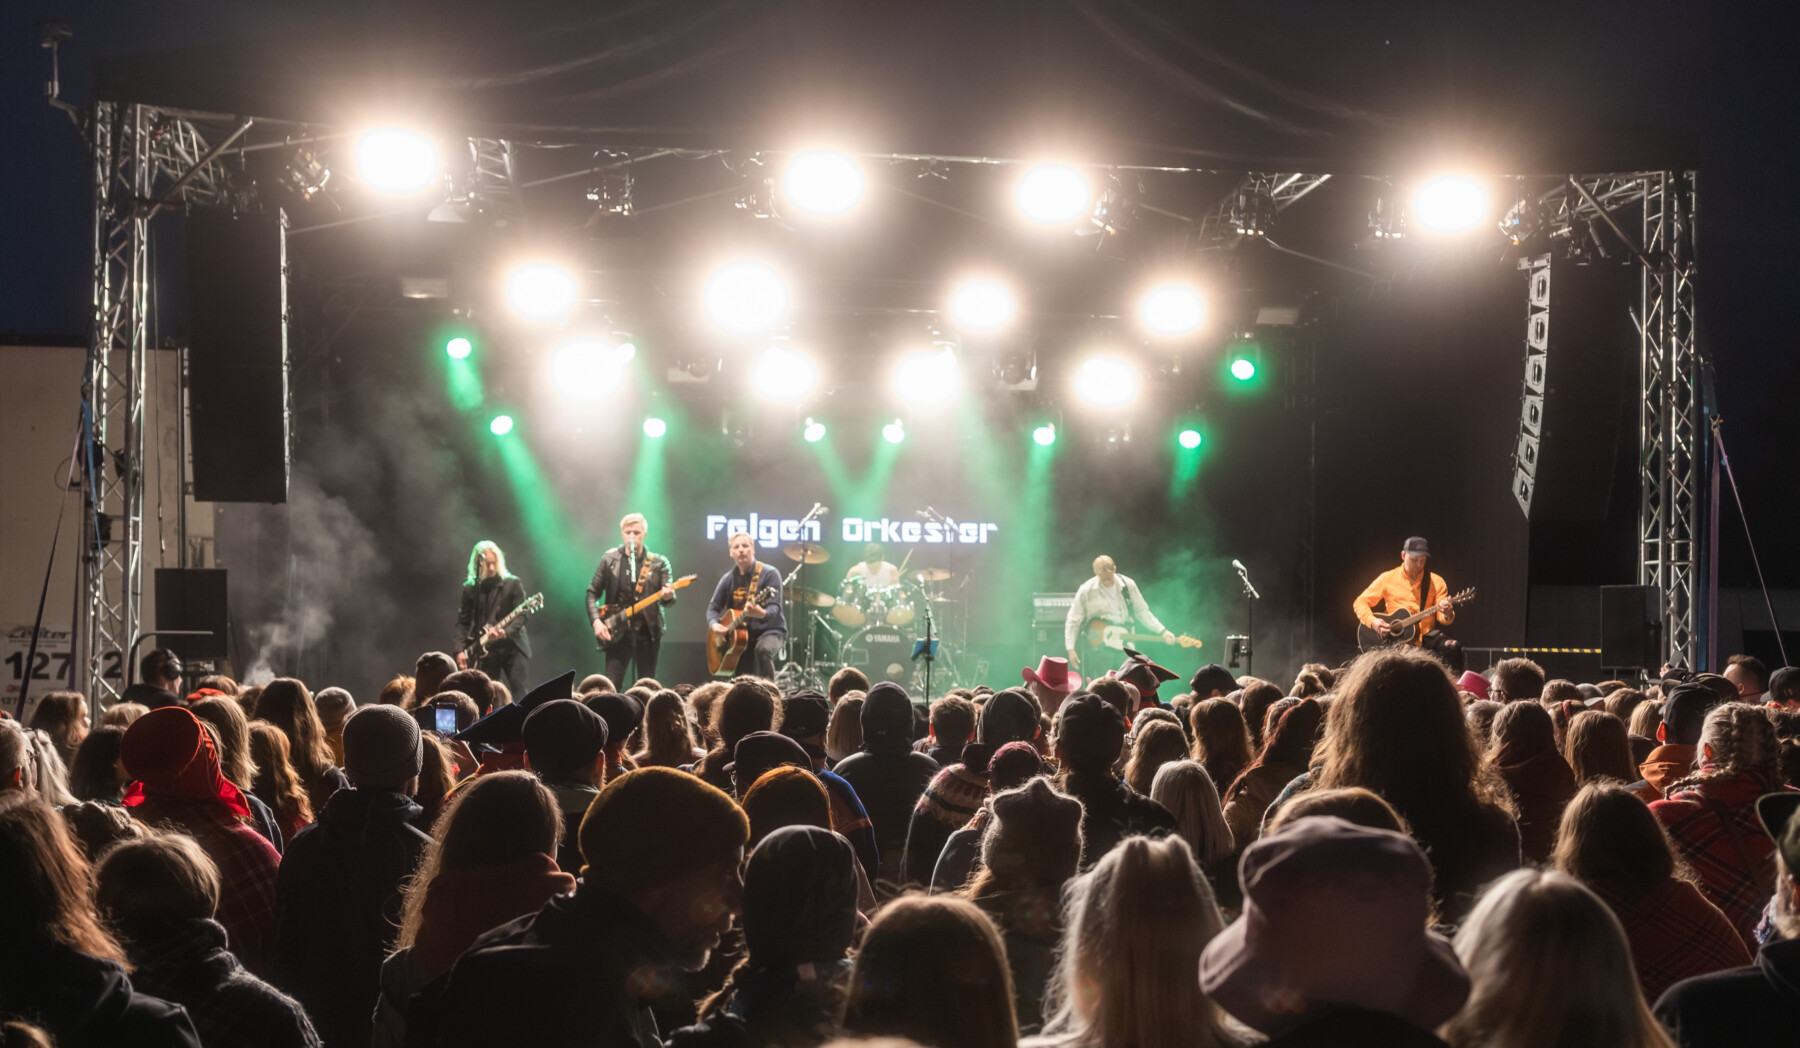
{"x":731,"y":581}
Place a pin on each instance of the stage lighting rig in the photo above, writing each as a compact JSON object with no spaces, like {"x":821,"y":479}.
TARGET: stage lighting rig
{"x":1253,"y":212}
{"x":813,"y":430}
{"x":1387,"y":219}
{"x":1107,"y":381}
{"x":1171,"y":310}
{"x":395,"y":160}
{"x":982,"y":304}
{"x":541,"y":291}
{"x":823,"y":183}
{"x":745,"y":297}
{"x":1016,"y":369}
{"x":1053,"y":194}
{"x":1525,"y":221}
{"x":928,"y":377}
{"x":1116,"y":208}
{"x":784,"y":374}
{"x":1450,"y":204}
{"x":756,"y":188}
{"x":305,"y":174}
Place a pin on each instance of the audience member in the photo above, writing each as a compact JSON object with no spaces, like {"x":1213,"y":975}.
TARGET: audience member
{"x":1184,"y":788}
{"x":398,"y":692}
{"x":845,"y":681}
{"x":96,"y":773}
{"x":159,"y":680}
{"x":805,"y":718}
{"x":957,"y":791}
{"x":1285,"y":755}
{"x":287,"y":705}
{"x":566,"y":742}
{"x":745,"y":707}
{"x":1153,"y":744}
{"x":1524,"y":751}
{"x":429,"y":674}
{"x":1012,"y":766}
{"x":1784,"y":689}
{"x":1221,"y":739}
{"x":888,"y":776}
{"x":63,"y":716}
{"x":224,"y":718}
{"x":932,"y":970}
{"x":1598,"y":749}
{"x":1749,"y":675}
{"x":1517,"y":680}
{"x":952,"y":723}
{"x":622,"y":714}
{"x":1091,"y":736}
{"x":1353,"y":804}
{"x":668,"y":738}
{"x":1683,"y":718}
{"x":335,"y":706}
{"x":121,"y":714}
{"x":276,"y":782}
{"x":843,"y":736}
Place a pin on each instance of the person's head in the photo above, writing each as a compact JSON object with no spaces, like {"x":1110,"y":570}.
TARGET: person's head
{"x":760,"y":752}
{"x":1291,"y":739}
{"x":1008,"y":716}
{"x":497,"y":819}
{"x":685,"y":842}
{"x":287,"y":704}
{"x":1559,"y":691}
{"x":668,"y":737}
{"x":382,"y":749}
{"x":1105,"y":570}
{"x":1189,"y":793}
{"x":1308,"y":686}
{"x":171,"y":754}
{"x":1334,"y":915}
{"x":48,"y":881}
{"x":932,"y":969}
{"x":17,"y":770}
{"x":1221,"y":738}
{"x":1091,"y":735}
{"x":799,"y":898}
{"x":1480,"y":714}
{"x":743,"y":550}
{"x":1737,"y":738}
{"x":429,"y":673}
{"x":844,"y":736}
{"x":1032,"y":844}
{"x":845,"y":681}
{"x":1684,"y":714}
{"x":1415,"y":553}
{"x":952,"y":723}
{"x":887,"y":719}
{"x":1114,"y":693}
{"x":873,"y":554}
{"x":598,"y":682}
{"x":632,"y":529}
{"x":1597,"y":748}
{"x":1647,"y":719}
{"x":1013,"y":765}
{"x":1133,"y":933}
{"x":335,"y":706}
{"x":1608,"y":837}
{"x":160,"y":668}
{"x":156,"y":883}
{"x":1212,"y":681}
{"x":473,"y":683}
{"x":1258,"y":696}
{"x":1784,"y":687}
{"x":1353,"y":804}
{"x":747,"y":706}
{"x":622,"y":714}
{"x":96,"y":773}
{"x":277,"y":782}
{"x":1521,"y":730}
{"x":62,"y":715}
{"x":564,"y":741}
{"x":121,"y":714}
{"x":398,"y":692}
{"x":1517,"y":680}
{"x":1549,"y":964}
{"x":1749,"y":674}
{"x":786,"y":796}
{"x":1152,"y":746}
{"x":232,"y":730}
{"x":486,"y":561}
{"x":1622,"y":702}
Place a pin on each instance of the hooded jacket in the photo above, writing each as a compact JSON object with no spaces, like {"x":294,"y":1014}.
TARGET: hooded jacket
{"x":87,"y":1001}
{"x":888,"y":774}
{"x":188,"y":962}
{"x":338,"y":906}
{"x":1665,"y":766}
{"x":1740,"y":1008}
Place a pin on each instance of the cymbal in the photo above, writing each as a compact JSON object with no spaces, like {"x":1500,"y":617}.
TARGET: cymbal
{"x":806,"y":552}
{"x":943,"y":600}
{"x":931,"y":575}
{"x":816,"y":598}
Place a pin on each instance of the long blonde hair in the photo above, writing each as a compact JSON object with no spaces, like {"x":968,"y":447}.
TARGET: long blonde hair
{"x":1133,"y":929}
{"x":481,"y":547}
{"x":1192,"y":797}
{"x":843,"y":733}
{"x":1550,"y":967}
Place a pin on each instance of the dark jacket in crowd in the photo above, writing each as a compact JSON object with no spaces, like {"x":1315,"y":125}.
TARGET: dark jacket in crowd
{"x":1111,"y":812}
{"x":572,"y":799}
{"x":582,"y":971}
{"x":85,"y":1001}
{"x":888,"y":774}
{"x":264,"y":822}
{"x":1542,"y":784}
{"x":338,"y":907}
{"x":1356,"y":1028}
{"x":150,"y":695}
{"x":1748,"y":1007}
{"x":189,"y":962}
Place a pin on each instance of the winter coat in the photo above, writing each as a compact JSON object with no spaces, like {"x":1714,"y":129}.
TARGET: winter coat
{"x":889,"y":785}
{"x":85,"y":1001}
{"x":789,"y":1007}
{"x":1356,"y":1028}
{"x":1694,"y":818}
{"x":1751,"y":1007}
{"x":190,"y":963}
{"x":339,"y":907}
{"x":248,"y":866}
{"x":951,"y":799}
{"x":1542,"y":786}
{"x":1030,"y":923}
{"x":1111,"y":812}
{"x":1674,"y":934}
{"x":573,"y":799}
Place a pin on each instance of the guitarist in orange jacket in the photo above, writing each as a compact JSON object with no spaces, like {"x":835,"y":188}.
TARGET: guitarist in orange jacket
{"x":627,"y":574}
{"x":1412,"y":587}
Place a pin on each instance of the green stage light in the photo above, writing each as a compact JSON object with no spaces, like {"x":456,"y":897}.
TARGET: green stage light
{"x":814,"y":431}
{"x":1243,"y":369}
{"x":501,"y":426}
{"x":1045,"y":435}
{"x":654,"y":428}
{"x":894,"y":432}
{"x":459,"y":348}
{"x":1188,"y":438}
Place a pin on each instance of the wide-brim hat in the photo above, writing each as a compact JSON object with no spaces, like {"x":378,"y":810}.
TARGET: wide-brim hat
{"x":1473,"y":683}
{"x":1053,"y":673}
{"x":1776,"y":811}
{"x":1334,"y":915}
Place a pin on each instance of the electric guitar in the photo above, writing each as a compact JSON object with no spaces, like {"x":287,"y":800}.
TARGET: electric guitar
{"x":1402,"y":627}
{"x":615,"y":621}
{"x":1103,"y":634}
{"x":476,"y":647}
{"x":723,"y":650}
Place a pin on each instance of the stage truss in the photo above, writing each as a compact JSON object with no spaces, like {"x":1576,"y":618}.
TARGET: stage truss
{"x":146,"y":158}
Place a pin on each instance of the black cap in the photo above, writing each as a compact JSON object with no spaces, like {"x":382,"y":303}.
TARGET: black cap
{"x":622,"y":714}
{"x":805,"y":714}
{"x":1090,"y":732}
{"x":562,"y":736}
{"x":1417,"y":546}
{"x":1210,"y":678}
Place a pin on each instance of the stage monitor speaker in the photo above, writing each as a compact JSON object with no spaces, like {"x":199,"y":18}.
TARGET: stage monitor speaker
{"x":1630,"y":628}
{"x":192,"y":599}
{"x":238,"y":407}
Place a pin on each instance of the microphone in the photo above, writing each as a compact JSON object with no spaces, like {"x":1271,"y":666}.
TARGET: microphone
{"x":1238,"y":564}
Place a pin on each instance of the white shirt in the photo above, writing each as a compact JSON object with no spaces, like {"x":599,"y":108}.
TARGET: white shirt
{"x":1116,"y":603}
{"x":885,"y":574}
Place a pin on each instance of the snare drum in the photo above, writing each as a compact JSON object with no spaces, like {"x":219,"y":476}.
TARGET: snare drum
{"x":852,"y":596}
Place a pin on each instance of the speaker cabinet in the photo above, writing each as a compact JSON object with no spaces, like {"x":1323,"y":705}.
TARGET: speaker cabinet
{"x":192,"y":599}
{"x":1630,"y":628}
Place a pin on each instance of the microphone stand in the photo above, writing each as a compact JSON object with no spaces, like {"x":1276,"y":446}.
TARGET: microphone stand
{"x":1250,"y":599}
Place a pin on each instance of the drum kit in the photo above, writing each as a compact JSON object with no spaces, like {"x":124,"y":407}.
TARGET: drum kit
{"x":871,"y":627}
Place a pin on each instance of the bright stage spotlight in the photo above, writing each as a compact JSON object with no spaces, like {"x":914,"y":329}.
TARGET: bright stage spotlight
{"x":814,"y":431}
{"x":1053,"y":194}
{"x":501,"y":426}
{"x":927,"y":378}
{"x":823,"y":182}
{"x":1171,"y":309}
{"x":1106,"y":381}
{"x":1243,"y":369}
{"x":745,"y":297}
{"x":981,"y":304}
{"x":586,"y":369}
{"x":1189,"y":439}
{"x":1044,"y":435}
{"x":459,"y":348}
{"x":394,"y":160}
{"x":894,"y":432}
{"x":655,"y":428}
{"x":625,"y":351}
{"x":540,"y":291}
{"x":784,"y":373}
{"x":1450,"y":204}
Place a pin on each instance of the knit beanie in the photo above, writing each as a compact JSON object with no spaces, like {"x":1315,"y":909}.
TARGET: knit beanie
{"x":887,"y":719}
{"x":563,"y":736}
{"x":382,"y":747}
{"x":1013,"y":765}
{"x":805,"y":714}
{"x":621,"y":713}
{"x":1092,"y":731}
{"x":1036,"y":834}
{"x":1009,"y":716}
{"x":654,"y":826}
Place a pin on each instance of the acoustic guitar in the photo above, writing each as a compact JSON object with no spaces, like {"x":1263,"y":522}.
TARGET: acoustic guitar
{"x":723,"y":650}
{"x":616,"y":621}
{"x":1402,"y":627}
{"x":476,"y":647}
{"x":1103,"y":634}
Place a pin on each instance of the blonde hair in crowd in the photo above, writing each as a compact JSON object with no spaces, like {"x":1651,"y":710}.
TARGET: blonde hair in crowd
{"x":1549,"y":967}
{"x":1192,"y":797}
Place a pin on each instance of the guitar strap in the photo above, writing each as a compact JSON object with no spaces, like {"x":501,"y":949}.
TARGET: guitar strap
{"x":644,"y":572}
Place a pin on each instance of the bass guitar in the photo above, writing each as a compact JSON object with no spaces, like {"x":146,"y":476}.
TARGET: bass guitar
{"x":1403,"y":628}
{"x":476,"y":647}
{"x":615,"y":621}
{"x":723,"y":650}
{"x":1103,"y":634}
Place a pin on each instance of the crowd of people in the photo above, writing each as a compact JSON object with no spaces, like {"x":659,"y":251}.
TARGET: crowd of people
{"x":1380,"y":854}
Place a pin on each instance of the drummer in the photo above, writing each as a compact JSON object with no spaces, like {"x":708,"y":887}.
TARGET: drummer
{"x":874,"y":569}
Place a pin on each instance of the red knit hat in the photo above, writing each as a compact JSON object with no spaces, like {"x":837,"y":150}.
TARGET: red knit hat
{"x":170,"y":754}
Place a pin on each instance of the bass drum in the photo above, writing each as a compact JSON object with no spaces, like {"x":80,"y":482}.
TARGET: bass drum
{"x":882,"y":652}
{"x":852,"y":598}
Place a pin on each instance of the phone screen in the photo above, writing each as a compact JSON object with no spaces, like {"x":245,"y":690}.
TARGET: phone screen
{"x":446,"y":720}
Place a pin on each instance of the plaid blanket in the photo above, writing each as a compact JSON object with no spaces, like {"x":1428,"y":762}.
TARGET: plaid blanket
{"x":1704,"y":841}
{"x":1674,"y":933}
